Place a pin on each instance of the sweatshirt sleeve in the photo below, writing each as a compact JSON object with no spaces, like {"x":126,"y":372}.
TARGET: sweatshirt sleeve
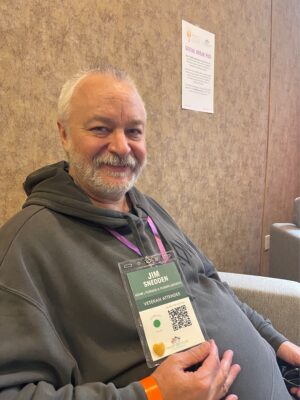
{"x":261,"y":324}
{"x":35,"y":364}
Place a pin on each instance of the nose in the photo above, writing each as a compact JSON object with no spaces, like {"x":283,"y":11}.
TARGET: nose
{"x":118,"y":143}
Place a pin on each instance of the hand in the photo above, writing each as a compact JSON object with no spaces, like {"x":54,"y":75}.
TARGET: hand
{"x":290,"y":353}
{"x":211,"y":381}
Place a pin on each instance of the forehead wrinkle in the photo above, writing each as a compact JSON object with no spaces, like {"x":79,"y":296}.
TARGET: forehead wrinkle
{"x":108,"y":120}
{"x":124,"y":109}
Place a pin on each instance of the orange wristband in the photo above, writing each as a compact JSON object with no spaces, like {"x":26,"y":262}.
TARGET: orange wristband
{"x":151,"y":388}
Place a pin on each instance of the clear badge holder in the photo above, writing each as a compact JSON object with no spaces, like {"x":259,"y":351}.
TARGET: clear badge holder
{"x":162,"y":309}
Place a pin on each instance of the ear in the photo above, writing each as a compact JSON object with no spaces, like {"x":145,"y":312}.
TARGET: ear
{"x":64,"y":137}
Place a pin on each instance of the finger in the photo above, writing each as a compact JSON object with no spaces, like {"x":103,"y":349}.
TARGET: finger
{"x":228,"y":370}
{"x":295,"y":391}
{"x":226,"y":362}
{"x":214,"y":349}
{"x":231,"y":377}
{"x":210,"y":367}
{"x":212,"y":362}
{"x":193,"y":355}
{"x":231,"y":397}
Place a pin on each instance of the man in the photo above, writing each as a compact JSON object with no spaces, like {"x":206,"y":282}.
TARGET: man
{"x":67,"y":331}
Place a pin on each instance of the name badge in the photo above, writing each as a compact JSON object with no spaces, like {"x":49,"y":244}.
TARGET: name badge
{"x":162,"y":309}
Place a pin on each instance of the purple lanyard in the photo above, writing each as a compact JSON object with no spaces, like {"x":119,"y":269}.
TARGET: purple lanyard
{"x":131,"y":246}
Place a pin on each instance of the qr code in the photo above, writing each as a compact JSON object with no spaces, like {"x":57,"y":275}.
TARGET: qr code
{"x":179,"y":317}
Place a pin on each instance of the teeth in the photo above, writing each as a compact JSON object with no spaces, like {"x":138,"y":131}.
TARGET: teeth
{"x":116,"y":162}
{"x":119,"y":165}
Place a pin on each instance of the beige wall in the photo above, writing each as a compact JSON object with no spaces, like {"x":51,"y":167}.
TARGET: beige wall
{"x":224,"y":177}
{"x":283,"y":150}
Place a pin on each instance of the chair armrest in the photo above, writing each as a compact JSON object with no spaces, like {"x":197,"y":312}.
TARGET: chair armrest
{"x":285,"y":251}
{"x":276,"y":299}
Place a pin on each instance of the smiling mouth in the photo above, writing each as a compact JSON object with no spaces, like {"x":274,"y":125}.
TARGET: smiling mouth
{"x":117,"y":167}
{"x":116,"y":170}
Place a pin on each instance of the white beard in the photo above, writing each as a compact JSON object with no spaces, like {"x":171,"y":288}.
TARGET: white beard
{"x":90,"y":174}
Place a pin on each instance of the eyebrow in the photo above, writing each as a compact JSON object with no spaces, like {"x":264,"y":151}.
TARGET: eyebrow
{"x":108,"y":120}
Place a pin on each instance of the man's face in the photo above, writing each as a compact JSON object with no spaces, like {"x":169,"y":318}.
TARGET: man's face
{"x":105,"y":138}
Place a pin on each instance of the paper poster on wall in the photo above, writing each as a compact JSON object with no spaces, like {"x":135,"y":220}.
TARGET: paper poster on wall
{"x":198,"y":53}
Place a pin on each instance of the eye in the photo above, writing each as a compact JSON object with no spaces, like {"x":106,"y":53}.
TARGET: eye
{"x":100,"y":130}
{"x":134,"y":133}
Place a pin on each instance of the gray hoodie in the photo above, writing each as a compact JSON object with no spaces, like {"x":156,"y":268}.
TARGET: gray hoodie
{"x":66,"y":328}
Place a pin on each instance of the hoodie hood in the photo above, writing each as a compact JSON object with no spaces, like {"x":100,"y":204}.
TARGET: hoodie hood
{"x":52,"y":187}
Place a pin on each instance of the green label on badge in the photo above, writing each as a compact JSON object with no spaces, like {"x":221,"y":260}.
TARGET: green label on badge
{"x":162,"y":298}
{"x":157,"y":285}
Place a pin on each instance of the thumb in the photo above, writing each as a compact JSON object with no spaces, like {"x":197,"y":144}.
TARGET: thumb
{"x":194,"y":355}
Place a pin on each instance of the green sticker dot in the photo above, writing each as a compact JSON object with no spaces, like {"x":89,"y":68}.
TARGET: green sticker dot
{"x":156,"y":323}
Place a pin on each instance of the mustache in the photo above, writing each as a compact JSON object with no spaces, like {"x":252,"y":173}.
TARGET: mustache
{"x":115,"y":160}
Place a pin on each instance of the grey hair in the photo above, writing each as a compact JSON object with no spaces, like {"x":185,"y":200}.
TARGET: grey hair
{"x":64,"y":100}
